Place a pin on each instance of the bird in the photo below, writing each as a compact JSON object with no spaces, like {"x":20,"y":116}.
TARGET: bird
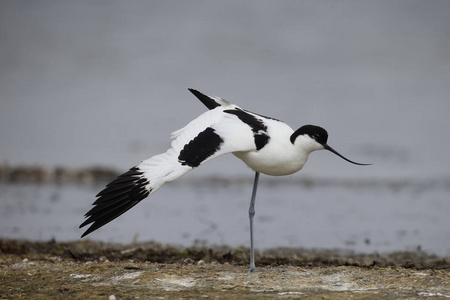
{"x":266,"y":145}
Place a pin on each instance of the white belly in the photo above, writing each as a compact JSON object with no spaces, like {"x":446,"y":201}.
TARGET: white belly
{"x":273,"y":163}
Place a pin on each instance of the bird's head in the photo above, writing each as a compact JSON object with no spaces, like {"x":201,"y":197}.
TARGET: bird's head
{"x":315,"y":138}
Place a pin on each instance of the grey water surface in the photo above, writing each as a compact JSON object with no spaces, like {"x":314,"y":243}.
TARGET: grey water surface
{"x":372,"y":217}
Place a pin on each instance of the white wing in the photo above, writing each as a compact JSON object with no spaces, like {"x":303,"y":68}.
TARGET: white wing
{"x":212,"y":134}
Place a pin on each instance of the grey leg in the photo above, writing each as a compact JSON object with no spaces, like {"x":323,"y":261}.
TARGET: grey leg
{"x":251,"y":214}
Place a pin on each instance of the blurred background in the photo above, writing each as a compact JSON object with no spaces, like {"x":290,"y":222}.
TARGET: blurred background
{"x":102,"y":84}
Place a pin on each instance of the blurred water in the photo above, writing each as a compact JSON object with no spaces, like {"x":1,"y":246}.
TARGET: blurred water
{"x":104,"y":83}
{"x":367,"y":217}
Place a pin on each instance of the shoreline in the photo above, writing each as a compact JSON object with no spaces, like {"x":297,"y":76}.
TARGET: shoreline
{"x":95,"y":270}
{"x":90,"y":250}
{"x":101,"y":175}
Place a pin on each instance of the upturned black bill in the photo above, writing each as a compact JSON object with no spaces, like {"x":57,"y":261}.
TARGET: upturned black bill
{"x":338,"y":154}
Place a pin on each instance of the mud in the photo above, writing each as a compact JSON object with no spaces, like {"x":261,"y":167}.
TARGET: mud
{"x":87,"y":269}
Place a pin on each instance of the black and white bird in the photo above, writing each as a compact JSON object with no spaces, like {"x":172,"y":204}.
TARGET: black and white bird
{"x":266,"y":145}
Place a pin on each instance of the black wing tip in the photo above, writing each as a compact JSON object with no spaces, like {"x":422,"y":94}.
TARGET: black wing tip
{"x":86,"y":233}
{"x":89,"y":230}
{"x":116,"y":198}
{"x":196,"y":93}
{"x":205,"y":99}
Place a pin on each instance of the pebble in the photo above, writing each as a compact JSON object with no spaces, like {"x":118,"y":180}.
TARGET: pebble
{"x":201,"y":262}
{"x":188,"y":261}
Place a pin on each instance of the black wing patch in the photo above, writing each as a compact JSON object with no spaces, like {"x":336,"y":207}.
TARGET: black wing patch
{"x":209,"y":102}
{"x":119,"y":196}
{"x":258,"y":127}
{"x":200,"y":148}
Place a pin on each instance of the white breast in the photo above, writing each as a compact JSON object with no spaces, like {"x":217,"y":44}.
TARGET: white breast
{"x":279,"y":157}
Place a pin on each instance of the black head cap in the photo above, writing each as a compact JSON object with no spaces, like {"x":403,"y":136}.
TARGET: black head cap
{"x":315,"y":132}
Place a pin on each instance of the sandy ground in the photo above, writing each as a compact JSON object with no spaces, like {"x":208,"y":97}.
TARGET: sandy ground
{"x":93,"y":270}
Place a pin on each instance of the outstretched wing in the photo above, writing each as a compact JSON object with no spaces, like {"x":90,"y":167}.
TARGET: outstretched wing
{"x":212,"y":134}
{"x":116,"y":198}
